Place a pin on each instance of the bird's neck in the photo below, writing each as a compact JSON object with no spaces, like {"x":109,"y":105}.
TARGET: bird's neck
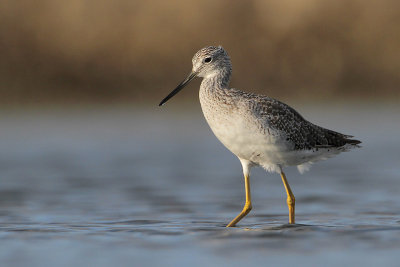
{"x":219,"y":80}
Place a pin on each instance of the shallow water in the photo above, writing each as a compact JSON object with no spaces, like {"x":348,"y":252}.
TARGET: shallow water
{"x":141,"y":186}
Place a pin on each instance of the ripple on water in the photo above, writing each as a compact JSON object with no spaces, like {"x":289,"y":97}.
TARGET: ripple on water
{"x":75,"y":193}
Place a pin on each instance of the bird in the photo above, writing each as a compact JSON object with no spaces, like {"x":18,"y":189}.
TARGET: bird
{"x":259,"y":130}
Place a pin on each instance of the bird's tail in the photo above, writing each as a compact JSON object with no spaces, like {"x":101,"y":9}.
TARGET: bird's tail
{"x":339,"y":140}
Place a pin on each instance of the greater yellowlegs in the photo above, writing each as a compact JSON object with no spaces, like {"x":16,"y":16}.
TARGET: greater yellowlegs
{"x":259,"y":130}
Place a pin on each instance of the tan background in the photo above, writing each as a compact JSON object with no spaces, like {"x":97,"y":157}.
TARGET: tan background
{"x":128,"y":50}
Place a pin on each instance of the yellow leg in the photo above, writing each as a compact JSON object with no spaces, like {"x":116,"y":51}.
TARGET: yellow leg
{"x":247,"y":206}
{"x":290,"y":198}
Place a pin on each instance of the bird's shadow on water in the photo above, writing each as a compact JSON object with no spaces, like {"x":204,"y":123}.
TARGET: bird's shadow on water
{"x":278,"y":228}
{"x":219,"y":229}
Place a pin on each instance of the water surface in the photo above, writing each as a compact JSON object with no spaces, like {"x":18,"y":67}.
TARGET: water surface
{"x":141,"y":186}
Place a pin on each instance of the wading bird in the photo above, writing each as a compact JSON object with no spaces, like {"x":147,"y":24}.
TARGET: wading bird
{"x":259,"y":130}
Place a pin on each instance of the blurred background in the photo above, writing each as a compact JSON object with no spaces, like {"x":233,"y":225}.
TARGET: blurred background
{"x":94,"y":173}
{"x":127,"y":50}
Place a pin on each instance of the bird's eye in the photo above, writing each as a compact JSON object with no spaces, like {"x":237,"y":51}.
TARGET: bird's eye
{"x":207,"y":60}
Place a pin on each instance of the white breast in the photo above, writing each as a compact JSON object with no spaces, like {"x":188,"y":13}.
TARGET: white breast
{"x":237,"y":130}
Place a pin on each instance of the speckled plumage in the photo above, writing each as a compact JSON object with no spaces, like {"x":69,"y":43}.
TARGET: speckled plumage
{"x":301,"y":133}
{"x":259,"y":130}
{"x":277,"y":134}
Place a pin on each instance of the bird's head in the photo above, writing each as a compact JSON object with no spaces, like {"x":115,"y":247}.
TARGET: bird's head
{"x":207,"y":62}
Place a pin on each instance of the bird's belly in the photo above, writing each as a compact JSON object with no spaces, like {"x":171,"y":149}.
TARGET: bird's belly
{"x":247,"y":141}
{"x":267,"y":150}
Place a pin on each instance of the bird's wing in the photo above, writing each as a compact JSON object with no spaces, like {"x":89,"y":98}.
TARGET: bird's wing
{"x":289,"y":123}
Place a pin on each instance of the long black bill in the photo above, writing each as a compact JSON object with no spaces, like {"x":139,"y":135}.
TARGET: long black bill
{"x":191,"y":76}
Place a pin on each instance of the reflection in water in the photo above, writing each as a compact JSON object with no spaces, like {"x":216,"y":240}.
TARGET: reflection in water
{"x":106,"y":187}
